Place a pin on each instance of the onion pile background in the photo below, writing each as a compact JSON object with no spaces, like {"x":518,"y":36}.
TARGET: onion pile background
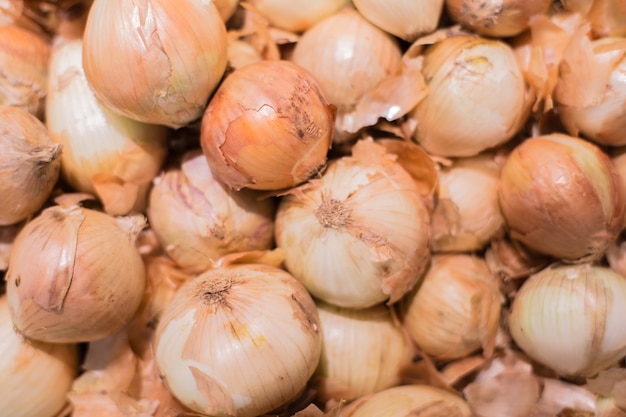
{"x":328,"y":208}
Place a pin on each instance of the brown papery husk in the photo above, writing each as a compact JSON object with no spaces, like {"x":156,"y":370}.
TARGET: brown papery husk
{"x":607,"y":17}
{"x":610,"y":383}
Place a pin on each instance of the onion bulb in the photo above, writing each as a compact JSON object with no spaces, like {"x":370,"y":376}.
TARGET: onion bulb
{"x":86,"y":281}
{"x":460,"y":288}
{"x":238,"y":340}
{"x":297,"y":15}
{"x":462,"y":73}
{"x":570,"y":318}
{"x":467,"y":212}
{"x":407,"y":19}
{"x":358,"y":235}
{"x":591,"y":90}
{"x":29,"y":164}
{"x":562,"y":196}
{"x":110,"y":156}
{"x":155,"y":61}
{"x":364,"y":351}
{"x":267,"y":127}
{"x":36,"y":376}
{"x":410,"y":400}
{"x":24,"y":61}
{"x":497,"y":18}
{"x":197,"y":219}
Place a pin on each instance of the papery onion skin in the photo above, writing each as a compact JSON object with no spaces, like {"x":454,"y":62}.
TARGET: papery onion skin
{"x":411,"y":400}
{"x":462,"y":73}
{"x":562,"y":196}
{"x":406,"y":19}
{"x":460,"y":288}
{"x":364,"y":350}
{"x":359,"y":235}
{"x":238,"y":340}
{"x":24,"y":61}
{"x":198,"y":219}
{"x":497,"y":18}
{"x":159,"y":61}
{"x":86,"y":281}
{"x":29,"y":164}
{"x":570,"y":318}
{"x":36,"y":376}
{"x":226,"y":8}
{"x":110,"y":156}
{"x":267,"y":127}
{"x":297,"y":15}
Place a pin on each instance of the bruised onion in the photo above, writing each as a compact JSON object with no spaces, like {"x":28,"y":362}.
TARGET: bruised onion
{"x":562,"y":196}
{"x":155,"y":61}
{"x":238,"y":340}
{"x":197,"y":219}
{"x":267,"y":127}
{"x":358,"y":235}
{"x":86,"y":281}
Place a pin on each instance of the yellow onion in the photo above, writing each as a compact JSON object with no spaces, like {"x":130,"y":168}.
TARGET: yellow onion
{"x":110,"y":156}
{"x":358,"y":235}
{"x":462,"y":73}
{"x":410,"y":400}
{"x":238,"y":340}
{"x":297,"y":15}
{"x":154,"y":61}
{"x":241,"y":53}
{"x":570,"y":318}
{"x":267,"y":127}
{"x":591,"y":90}
{"x":562,"y":196}
{"x":607,"y":17}
{"x":29,"y":164}
{"x":226,"y":8}
{"x":497,"y":18}
{"x":36,"y":376}
{"x":364,"y":351}
{"x":460,"y":288}
{"x":467,"y":212}
{"x":406,"y":19}
{"x":24,"y":61}
{"x":86,"y":281}
{"x":197,"y":219}
{"x":618,"y":158}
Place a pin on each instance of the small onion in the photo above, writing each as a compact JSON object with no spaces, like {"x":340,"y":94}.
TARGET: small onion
{"x":562,"y":196}
{"x":498,"y":18}
{"x":460,"y":288}
{"x":407,"y":19}
{"x":197,"y":219}
{"x":462,"y":73}
{"x":364,"y":351}
{"x":591,"y":90}
{"x":105,"y":154}
{"x":86,"y":281}
{"x":29,"y":164}
{"x":570,"y":318}
{"x":359,"y":235}
{"x":297,"y":15}
{"x":36,"y":376}
{"x":238,"y":340}
{"x":467,"y":212}
{"x":267,"y":127}
{"x":155,"y":61}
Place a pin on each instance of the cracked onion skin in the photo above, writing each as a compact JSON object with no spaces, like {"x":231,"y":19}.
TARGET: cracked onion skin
{"x":562,"y":196}
{"x":268,"y":127}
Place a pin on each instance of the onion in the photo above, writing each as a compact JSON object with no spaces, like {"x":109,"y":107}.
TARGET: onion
{"x":197,"y":219}
{"x":578,"y":330}
{"x":154,"y":61}
{"x":562,"y":196}
{"x":267,"y":114}
{"x":238,"y":340}
{"x":462,"y":72}
{"x":86,"y":281}
{"x":297,"y":15}
{"x":105,"y":154}
{"x":359,"y":235}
